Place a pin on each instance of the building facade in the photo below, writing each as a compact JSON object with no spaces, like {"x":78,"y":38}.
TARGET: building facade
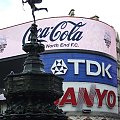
{"x":83,"y":52}
{"x":118,"y":69}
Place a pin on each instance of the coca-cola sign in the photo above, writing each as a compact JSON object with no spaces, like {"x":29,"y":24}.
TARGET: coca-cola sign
{"x":77,"y":33}
{"x":64,"y":33}
{"x":59,"y":32}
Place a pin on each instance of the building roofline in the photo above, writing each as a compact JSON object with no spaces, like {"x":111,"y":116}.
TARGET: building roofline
{"x":56,"y":17}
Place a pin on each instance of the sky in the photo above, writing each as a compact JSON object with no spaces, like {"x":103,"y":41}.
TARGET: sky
{"x":13,"y":12}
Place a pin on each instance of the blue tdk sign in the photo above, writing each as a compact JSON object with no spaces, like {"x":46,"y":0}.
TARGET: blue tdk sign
{"x":79,"y":67}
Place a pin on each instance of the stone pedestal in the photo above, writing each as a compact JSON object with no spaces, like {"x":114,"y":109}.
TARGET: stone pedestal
{"x":31,"y":94}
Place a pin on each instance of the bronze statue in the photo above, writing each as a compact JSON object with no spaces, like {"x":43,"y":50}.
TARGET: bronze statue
{"x":33,"y":7}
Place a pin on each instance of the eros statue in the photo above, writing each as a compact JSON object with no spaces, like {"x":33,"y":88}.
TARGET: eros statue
{"x":33,"y":7}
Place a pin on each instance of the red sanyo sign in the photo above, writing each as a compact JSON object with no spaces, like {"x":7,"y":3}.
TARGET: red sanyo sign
{"x":69,"y":97}
{"x":88,"y":96}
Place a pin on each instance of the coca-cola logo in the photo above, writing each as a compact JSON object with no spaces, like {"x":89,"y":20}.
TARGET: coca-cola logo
{"x":60,"y":33}
{"x":65,"y":30}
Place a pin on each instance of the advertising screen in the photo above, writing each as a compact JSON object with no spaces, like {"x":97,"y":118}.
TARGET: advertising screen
{"x":88,"y":97}
{"x":82,"y":67}
{"x":90,"y":80}
{"x":80,"y":50}
{"x":61,"y":33}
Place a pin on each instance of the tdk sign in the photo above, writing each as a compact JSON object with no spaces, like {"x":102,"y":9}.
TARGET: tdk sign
{"x":59,"y":67}
{"x":82,"y":67}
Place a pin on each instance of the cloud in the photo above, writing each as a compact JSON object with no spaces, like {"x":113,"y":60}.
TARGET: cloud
{"x":5,"y":4}
{"x":13,"y":12}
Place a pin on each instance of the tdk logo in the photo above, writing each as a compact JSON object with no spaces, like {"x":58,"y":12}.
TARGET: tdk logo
{"x":59,"y":67}
{"x":92,"y":68}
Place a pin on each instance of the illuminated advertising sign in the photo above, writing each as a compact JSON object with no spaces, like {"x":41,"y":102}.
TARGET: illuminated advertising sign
{"x":82,"y":67}
{"x":90,"y":80}
{"x":81,"y":96}
{"x":82,"y":51}
{"x":62,"y":33}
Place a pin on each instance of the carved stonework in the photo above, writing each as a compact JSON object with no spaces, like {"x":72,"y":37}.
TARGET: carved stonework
{"x":31,"y":94}
{"x":92,"y":117}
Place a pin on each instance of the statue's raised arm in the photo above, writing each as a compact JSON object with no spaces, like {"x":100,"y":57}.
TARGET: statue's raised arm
{"x":33,"y":7}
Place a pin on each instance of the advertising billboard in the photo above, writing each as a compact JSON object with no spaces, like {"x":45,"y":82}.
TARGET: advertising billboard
{"x":84,"y":96}
{"x":61,"y":33}
{"x":90,"y":80}
{"x":82,"y":67}
{"x":82,"y":51}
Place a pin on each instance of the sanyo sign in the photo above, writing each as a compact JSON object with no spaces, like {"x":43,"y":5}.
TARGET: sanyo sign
{"x":88,"y":96}
{"x":90,"y":81}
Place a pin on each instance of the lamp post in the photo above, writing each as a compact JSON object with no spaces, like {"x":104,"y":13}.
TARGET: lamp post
{"x":31,"y":94}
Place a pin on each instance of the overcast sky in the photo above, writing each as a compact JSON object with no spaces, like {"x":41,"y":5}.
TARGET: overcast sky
{"x":13,"y":12}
